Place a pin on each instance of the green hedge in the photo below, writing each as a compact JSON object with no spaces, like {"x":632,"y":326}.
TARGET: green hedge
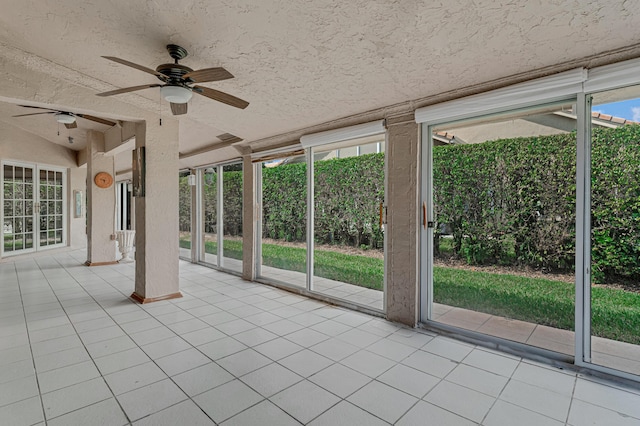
{"x":348,"y":193}
{"x":284,"y":202}
{"x":512,"y":201}
{"x":509,"y":202}
{"x":232,"y":187}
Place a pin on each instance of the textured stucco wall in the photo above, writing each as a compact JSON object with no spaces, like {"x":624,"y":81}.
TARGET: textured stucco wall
{"x":16,"y":144}
{"x":100,"y":204}
{"x":249,"y":215}
{"x":77,"y":179}
{"x":403,"y":154}
{"x":156,"y":214}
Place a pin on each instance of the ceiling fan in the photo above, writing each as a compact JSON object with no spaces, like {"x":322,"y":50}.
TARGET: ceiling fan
{"x":65,"y":117}
{"x":178,"y":80}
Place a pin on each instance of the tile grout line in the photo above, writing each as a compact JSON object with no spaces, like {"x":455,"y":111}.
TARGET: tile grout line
{"x":497,"y":398}
{"x":33,"y":360}
{"x":83,"y":343}
{"x":573,"y":392}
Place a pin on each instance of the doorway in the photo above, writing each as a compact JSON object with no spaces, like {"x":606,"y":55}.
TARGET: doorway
{"x":34,"y":208}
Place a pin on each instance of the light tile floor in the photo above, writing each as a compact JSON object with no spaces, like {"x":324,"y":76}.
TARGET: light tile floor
{"x":336,"y":289}
{"x":609,"y":353}
{"x":74,"y":350}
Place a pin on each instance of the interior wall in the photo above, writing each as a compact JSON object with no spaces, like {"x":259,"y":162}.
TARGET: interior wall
{"x":77,"y":236}
{"x":18,"y":145}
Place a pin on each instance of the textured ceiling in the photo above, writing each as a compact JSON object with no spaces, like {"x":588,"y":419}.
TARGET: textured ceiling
{"x":299,"y":63}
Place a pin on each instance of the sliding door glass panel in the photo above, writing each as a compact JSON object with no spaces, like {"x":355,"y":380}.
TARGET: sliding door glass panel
{"x":348,"y":230}
{"x":184,"y":214}
{"x":504,"y":226}
{"x":232,"y":217}
{"x":615,"y":229}
{"x":284,"y":220}
{"x":209,"y":237}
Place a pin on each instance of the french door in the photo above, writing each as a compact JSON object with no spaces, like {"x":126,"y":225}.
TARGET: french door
{"x":34,"y":208}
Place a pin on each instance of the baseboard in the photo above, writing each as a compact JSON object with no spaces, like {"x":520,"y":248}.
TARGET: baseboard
{"x":144,"y":300}
{"x":88,"y":263}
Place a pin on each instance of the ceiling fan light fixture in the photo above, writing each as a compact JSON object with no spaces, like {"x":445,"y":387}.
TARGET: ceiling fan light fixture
{"x":64,"y":118}
{"x":176,"y":94}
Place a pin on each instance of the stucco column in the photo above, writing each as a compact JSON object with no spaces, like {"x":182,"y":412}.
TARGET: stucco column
{"x":101,"y":248}
{"x":249,"y":219}
{"x":156,"y":213}
{"x":403,"y":155}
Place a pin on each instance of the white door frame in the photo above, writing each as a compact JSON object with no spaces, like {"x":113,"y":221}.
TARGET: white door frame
{"x":36,"y":167}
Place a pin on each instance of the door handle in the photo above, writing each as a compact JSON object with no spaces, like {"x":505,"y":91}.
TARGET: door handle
{"x":424,"y":214}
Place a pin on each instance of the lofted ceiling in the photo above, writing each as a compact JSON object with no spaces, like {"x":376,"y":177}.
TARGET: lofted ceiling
{"x":298,"y":63}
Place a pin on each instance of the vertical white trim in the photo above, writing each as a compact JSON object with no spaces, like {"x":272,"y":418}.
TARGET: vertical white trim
{"x":586,"y":230}
{"x":583,"y":231}
{"x":384,"y":221}
{"x":220,"y":218}
{"x":310,"y":218}
{"x":119,"y":203}
{"x":426,"y":235}
{"x":430,"y":217}
{"x":132,"y":213}
{"x":125,"y":203}
{"x":198,"y":218}
{"x":257,"y":171}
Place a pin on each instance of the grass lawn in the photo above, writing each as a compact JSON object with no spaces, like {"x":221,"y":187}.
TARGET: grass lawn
{"x":615,"y":313}
{"x":359,"y":270}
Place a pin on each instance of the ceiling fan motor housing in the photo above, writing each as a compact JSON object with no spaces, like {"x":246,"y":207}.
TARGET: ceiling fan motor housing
{"x":174,"y":72}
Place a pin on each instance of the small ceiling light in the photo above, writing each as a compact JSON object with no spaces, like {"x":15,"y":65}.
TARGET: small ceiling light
{"x":64,"y":118}
{"x":176,"y":94}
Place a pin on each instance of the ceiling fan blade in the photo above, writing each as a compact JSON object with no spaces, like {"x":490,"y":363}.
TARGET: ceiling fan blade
{"x":127,"y":89}
{"x":35,"y":113}
{"x":71,"y":125}
{"x":136,"y":66}
{"x":219,"y":96}
{"x":96,"y":119}
{"x":208,"y":74}
{"x":178,"y":109}
{"x":37,"y":107}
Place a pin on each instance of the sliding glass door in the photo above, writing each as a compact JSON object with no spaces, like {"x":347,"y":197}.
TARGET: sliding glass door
{"x":499,"y":225}
{"x":323,"y":218}
{"x":221,"y":216}
{"x":283,"y":242}
{"x":184,"y":214}
{"x":348,"y":221}
{"x":613,"y":293}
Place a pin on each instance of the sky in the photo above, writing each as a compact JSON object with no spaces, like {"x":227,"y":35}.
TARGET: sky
{"x":625,"y":109}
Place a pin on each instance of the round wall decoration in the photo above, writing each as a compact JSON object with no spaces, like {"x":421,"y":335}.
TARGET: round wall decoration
{"x":103,"y":180}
